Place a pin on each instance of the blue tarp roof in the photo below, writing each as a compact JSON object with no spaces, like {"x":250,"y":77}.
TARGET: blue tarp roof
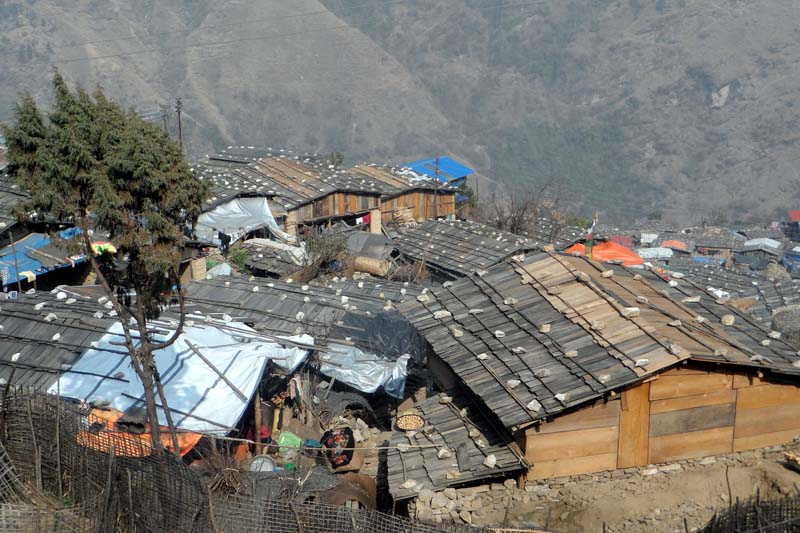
{"x":27,"y":261}
{"x":449,"y":169}
{"x":707,"y":260}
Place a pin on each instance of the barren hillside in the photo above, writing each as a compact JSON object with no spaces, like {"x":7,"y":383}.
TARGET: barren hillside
{"x":680,"y":107}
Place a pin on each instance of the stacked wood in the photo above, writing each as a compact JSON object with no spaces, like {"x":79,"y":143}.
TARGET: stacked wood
{"x":403,"y":216}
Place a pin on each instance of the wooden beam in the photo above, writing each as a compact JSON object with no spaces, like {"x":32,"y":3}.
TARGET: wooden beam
{"x":634,"y":427}
{"x":217,"y":371}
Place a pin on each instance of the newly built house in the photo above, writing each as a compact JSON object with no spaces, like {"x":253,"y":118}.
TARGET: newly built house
{"x":586,"y":367}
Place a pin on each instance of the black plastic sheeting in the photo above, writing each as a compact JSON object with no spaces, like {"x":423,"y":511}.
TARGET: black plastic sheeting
{"x":387,"y":335}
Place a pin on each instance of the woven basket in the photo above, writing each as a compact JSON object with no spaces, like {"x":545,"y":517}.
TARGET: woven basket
{"x":410,"y":421}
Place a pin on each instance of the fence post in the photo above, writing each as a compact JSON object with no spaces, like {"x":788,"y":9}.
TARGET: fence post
{"x":109,"y":478}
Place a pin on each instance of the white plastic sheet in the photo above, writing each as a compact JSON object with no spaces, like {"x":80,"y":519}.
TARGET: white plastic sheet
{"x":237,"y":218}
{"x":763,"y":241}
{"x":191,"y":386}
{"x":363,"y":371}
{"x":655,"y":253}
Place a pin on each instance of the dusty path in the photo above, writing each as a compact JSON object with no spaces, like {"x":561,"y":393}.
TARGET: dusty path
{"x":659,"y":502}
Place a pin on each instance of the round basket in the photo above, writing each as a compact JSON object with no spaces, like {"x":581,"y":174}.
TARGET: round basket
{"x":410,"y":421}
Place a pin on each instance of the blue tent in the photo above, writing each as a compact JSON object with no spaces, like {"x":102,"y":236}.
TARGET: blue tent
{"x":791,"y":259}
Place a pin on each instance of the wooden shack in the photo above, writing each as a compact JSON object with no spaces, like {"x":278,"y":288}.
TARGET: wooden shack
{"x":683,"y":413}
{"x":425,"y":198}
{"x":304,"y":186}
{"x":592,"y":367}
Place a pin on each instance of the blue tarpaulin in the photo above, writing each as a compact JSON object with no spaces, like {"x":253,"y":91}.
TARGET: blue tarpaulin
{"x":791,"y":260}
{"x":449,"y":169}
{"x":27,"y":265}
{"x":706,"y":260}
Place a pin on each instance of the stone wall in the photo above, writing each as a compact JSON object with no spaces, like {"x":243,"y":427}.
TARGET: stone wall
{"x":487,"y":504}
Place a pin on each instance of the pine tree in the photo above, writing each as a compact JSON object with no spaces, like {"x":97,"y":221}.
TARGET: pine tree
{"x":92,"y":164}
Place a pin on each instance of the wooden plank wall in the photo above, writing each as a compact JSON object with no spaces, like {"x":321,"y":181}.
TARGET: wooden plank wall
{"x":766,"y":413}
{"x":684,"y":413}
{"x":691,"y":414}
{"x":421,"y":204}
{"x":577,"y":443}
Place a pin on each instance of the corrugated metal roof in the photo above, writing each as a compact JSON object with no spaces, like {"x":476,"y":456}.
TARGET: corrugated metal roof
{"x":10,"y":196}
{"x":296,"y":179}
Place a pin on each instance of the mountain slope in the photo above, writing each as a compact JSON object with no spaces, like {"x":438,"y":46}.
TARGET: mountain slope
{"x":259,"y":72}
{"x":679,"y":107}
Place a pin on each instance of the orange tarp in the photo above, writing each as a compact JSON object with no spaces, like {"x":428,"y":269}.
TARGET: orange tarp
{"x":608,"y":251}
{"x":103,"y":433}
{"x":675,"y":245}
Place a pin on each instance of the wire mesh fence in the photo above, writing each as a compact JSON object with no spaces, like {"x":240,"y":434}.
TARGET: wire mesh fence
{"x":63,"y":471}
{"x":758,"y":516}
{"x":63,"y":452}
{"x":239,"y":514}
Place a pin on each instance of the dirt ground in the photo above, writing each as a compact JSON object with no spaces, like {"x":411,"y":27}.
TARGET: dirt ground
{"x":660,"y":502}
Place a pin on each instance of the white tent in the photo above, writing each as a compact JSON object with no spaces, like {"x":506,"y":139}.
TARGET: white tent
{"x":199,"y":398}
{"x":236,"y":218}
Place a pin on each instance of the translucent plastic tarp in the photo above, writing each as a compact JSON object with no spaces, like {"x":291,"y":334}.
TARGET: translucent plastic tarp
{"x":764,"y":241}
{"x":654,"y":253}
{"x":222,"y":269}
{"x":237,"y":218}
{"x":364,"y":371}
{"x":200,"y":400}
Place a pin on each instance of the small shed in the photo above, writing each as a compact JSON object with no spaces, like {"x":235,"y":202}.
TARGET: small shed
{"x":308,"y":189}
{"x":423,"y":196}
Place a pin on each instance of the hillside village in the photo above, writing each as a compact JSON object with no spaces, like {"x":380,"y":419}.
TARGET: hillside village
{"x":361,"y":345}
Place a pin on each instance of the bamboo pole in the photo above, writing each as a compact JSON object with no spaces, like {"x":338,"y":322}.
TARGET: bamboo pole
{"x":258,"y":422}
{"x":218,"y":372}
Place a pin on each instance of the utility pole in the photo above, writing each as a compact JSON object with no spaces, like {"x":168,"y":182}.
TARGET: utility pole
{"x":436,"y":190}
{"x":164,"y":116}
{"x":178,"y":109}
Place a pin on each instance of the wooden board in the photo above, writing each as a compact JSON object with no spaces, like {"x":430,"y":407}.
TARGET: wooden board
{"x":570,"y":444}
{"x":764,"y":439}
{"x":676,"y":386}
{"x":572,"y":467}
{"x":752,"y":422}
{"x":689,"y":445}
{"x":689,"y":402}
{"x":634,"y":424}
{"x":603,"y":414}
{"x":767,"y":395}
{"x":692,"y":420}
